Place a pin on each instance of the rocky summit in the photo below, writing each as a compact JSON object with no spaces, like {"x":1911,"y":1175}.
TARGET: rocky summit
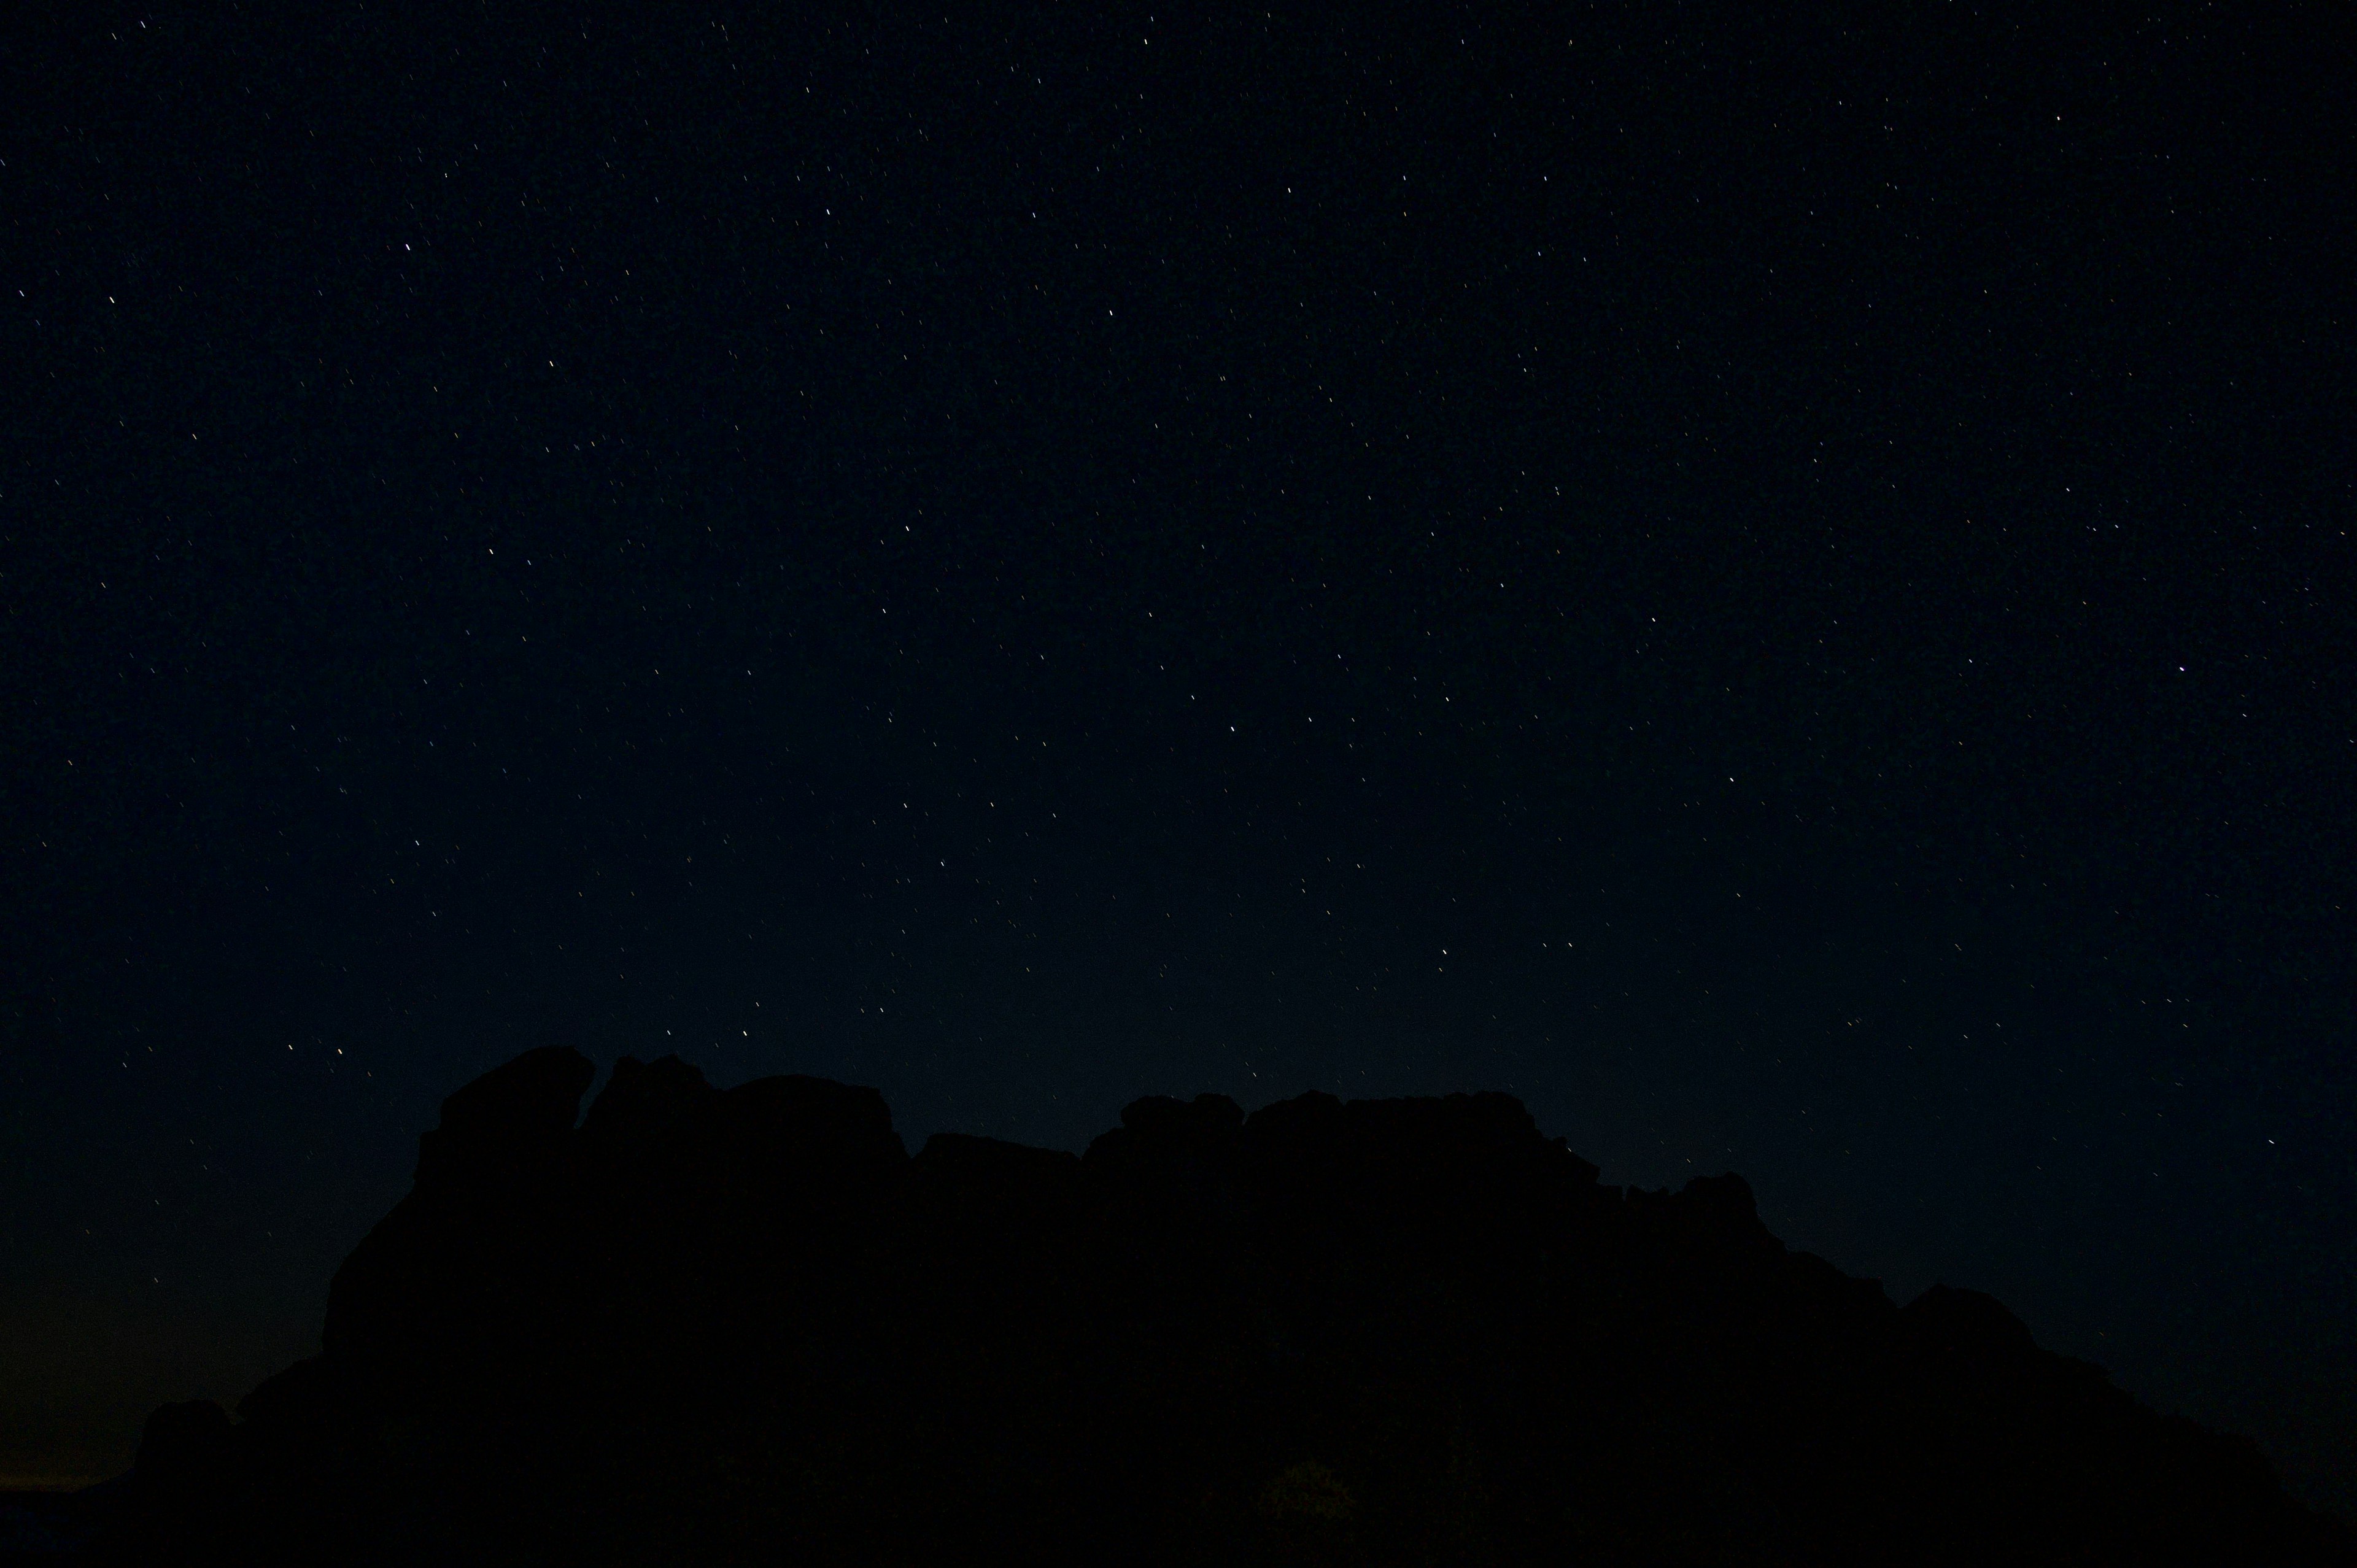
{"x":699,"y":1325}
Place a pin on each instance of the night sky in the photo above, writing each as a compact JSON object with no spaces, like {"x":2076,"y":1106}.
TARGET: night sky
{"x":1775,"y":583}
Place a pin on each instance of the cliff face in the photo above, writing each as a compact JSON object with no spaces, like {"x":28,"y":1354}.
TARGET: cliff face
{"x":708,"y":1326}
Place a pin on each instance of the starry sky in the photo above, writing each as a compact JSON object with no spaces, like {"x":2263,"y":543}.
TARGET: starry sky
{"x":1775,"y":580}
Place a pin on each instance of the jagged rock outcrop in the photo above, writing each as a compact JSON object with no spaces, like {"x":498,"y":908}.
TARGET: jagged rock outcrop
{"x":720,"y":1326}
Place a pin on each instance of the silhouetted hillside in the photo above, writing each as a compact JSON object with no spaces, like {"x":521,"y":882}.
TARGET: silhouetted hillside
{"x":707,"y":1327}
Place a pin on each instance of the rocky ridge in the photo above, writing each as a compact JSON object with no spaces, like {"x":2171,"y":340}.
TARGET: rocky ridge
{"x":699,"y":1325}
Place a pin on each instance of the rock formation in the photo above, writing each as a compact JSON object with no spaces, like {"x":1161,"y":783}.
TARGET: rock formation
{"x":707,"y":1327}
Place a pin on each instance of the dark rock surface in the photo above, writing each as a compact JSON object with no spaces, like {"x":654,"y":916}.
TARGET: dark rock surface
{"x":721,"y":1326}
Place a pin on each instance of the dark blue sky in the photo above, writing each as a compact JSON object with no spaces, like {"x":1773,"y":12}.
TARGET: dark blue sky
{"x":1776,"y":585}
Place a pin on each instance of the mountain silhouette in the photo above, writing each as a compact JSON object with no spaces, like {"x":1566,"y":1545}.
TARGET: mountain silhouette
{"x":708,"y":1326}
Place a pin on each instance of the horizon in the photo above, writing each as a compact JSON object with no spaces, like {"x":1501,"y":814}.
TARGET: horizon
{"x":63,"y":1482}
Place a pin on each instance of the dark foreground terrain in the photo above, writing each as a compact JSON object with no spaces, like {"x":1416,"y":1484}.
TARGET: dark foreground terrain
{"x":707,"y":1327}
